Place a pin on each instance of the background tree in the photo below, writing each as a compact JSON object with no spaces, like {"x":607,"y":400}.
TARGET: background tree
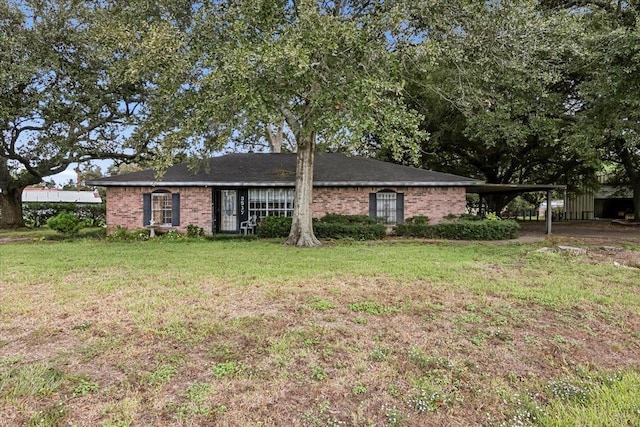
{"x":610,"y":90}
{"x":271,"y":137}
{"x":84,"y":172}
{"x":122,"y":168}
{"x":75,"y":80}
{"x":499,"y":104}
{"x":327,"y":68}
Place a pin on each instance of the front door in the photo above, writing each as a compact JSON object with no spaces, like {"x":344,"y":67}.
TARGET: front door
{"x":228,"y":210}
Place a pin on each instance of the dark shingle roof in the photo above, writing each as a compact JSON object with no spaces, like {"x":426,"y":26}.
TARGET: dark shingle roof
{"x":261,"y":170}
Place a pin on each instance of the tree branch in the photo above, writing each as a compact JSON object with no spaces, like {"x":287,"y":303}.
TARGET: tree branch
{"x":292,"y":121}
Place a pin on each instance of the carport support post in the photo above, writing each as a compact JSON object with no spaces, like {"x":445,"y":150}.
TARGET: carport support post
{"x":548,"y":214}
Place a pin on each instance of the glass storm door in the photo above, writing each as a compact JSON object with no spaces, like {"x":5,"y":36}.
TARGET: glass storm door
{"x":229,"y":210}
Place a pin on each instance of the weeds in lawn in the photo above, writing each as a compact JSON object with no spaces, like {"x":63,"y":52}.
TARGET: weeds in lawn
{"x":526,"y":410}
{"x":521,"y":418}
{"x":95,"y":347}
{"x":53,"y":416}
{"x":479,"y":338}
{"x":122,"y":413}
{"x":7,"y":361}
{"x":602,"y":399}
{"x":390,"y":334}
{"x":82,"y":326}
{"x":83,"y":386}
{"x":379,"y":354}
{"x":427,"y":399}
{"x":178,"y":331}
{"x":161,"y":375}
{"x":568,"y":391}
{"x":318,"y":373}
{"x":358,"y":389}
{"x":227,"y":369}
{"x":197,"y":404}
{"x":361,"y":320}
{"x":318,"y":416}
{"x":418,"y":357}
{"x":36,"y":379}
{"x":501,"y":335}
{"x":223,"y":352}
{"x":394,"y":417}
{"x":371,"y":307}
{"x":320,"y":304}
{"x":468,"y":318}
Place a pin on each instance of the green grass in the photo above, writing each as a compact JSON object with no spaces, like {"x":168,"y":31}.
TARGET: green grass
{"x":194,"y":332}
{"x":613,"y":402}
{"x":183,"y":264}
{"x":44,"y":233}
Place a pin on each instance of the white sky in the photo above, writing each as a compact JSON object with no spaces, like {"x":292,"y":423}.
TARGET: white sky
{"x":70,"y":174}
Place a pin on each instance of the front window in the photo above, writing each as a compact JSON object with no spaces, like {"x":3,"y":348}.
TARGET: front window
{"x":386,"y":205}
{"x":161,"y":208}
{"x":265,"y":202}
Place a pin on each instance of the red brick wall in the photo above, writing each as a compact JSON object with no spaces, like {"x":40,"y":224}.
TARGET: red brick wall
{"x":434,"y":202}
{"x":124,"y":204}
{"x":124,"y":207}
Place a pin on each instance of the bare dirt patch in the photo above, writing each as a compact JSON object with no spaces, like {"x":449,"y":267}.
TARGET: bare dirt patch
{"x":605,"y":255}
{"x":5,"y":240}
{"x":597,"y":232}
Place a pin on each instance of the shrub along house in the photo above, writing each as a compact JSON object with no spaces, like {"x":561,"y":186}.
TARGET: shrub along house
{"x":233,"y":188}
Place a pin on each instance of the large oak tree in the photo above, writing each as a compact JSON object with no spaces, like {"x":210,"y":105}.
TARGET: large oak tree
{"x":500,"y":102}
{"x":76,"y":79}
{"x":329,"y":69}
{"x":610,"y":88}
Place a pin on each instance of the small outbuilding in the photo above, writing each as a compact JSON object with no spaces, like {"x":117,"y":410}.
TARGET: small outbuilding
{"x":55,"y":195}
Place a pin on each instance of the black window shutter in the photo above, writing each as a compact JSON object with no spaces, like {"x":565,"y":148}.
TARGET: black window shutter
{"x":373,"y":205}
{"x":399,"y":208}
{"x":146,"y":209}
{"x":175,"y":209}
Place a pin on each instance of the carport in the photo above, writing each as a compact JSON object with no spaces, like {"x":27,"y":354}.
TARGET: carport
{"x":484,"y":190}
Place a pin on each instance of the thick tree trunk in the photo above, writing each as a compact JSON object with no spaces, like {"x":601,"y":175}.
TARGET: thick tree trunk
{"x":630,"y":162}
{"x":497,"y":202}
{"x":301,"y":233}
{"x":11,"y":208}
{"x":275,"y":138}
{"x":636,"y":201}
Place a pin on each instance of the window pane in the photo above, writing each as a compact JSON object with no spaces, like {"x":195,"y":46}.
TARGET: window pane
{"x":161,"y":204}
{"x":386,"y":207}
{"x":265,"y":202}
{"x":229,"y":214}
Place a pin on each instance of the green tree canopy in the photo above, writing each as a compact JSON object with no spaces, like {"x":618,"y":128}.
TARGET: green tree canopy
{"x":500,"y":102}
{"x":329,"y":70}
{"x":610,"y":88}
{"x":75,"y":81}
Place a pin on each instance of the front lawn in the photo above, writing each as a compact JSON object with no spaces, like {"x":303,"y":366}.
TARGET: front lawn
{"x":44,"y":233}
{"x":243,"y":333}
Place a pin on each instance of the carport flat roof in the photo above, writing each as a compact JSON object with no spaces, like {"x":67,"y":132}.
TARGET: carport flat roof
{"x":512,"y":188}
{"x":484,"y":189}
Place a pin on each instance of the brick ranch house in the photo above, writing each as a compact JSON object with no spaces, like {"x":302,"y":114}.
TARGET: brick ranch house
{"x":234,"y":187}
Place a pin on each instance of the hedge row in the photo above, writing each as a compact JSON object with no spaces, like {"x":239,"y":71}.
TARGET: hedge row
{"x":332,"y":226}
{"x":274,"y":226}
{"x":357,"y":227}
{"x":36,"y":214}
{"x":332,"y":218}
{"x":326,"y":230}
{"x":461,"y":230}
